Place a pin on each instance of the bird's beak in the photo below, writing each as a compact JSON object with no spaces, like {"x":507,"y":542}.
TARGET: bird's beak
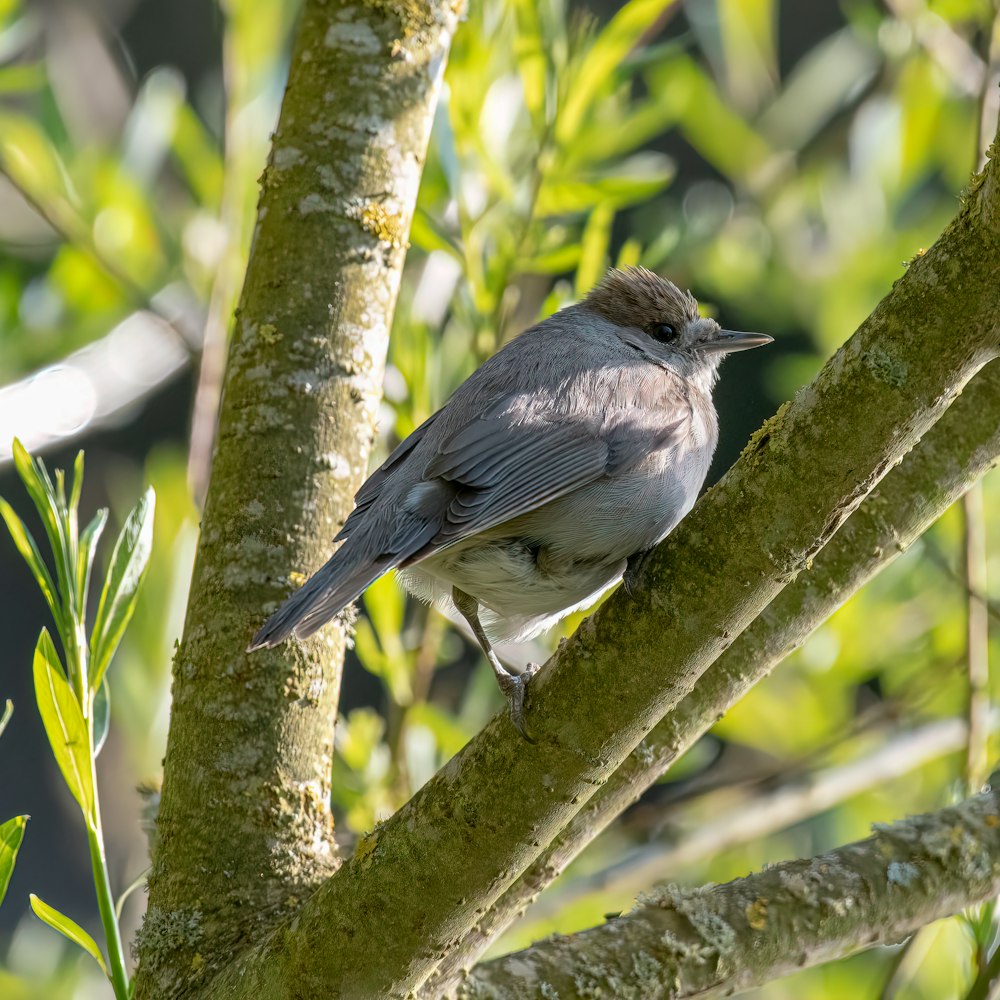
{"x":728,"y":341}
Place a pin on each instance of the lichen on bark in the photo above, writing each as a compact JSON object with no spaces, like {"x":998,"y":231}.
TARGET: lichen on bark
{"x":720,"y":939}
{"x":245,"y":830}
{"x":954,"y":453}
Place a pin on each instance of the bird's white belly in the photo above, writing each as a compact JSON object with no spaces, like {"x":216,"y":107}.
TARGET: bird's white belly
{"x":533,"y":570}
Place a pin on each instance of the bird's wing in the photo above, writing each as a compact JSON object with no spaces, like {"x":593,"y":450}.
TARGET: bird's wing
{"x":506,"y":463}
{"x":500,"y":471}
{"x":371,"y":489}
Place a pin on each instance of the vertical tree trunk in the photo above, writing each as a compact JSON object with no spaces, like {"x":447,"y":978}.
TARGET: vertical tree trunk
{"x":245,"y":830}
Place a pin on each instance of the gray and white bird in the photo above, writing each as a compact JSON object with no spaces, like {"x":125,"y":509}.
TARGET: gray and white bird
{"x":579,"y":444}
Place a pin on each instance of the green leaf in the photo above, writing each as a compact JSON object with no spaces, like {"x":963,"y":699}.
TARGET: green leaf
{"x":68,"y":928}
{"x":8,"y":711}
{"x":102,"y":715}
{"x":121,"y":586}
{"x":609,"y":50}
{"x":625,"y":183}
{"x":39,"y":486}
{"x":64,"y":723}
{"x":557,"y":261}
{"x":428,"y":235}
{"x":532,"y":61}
{"x":87,"y":550}
{"x":594,"y":248}
{"x":22,"y":78}
{"x":74,"y":500}
{"x":11,"y":835}
{"x":25,"y":544}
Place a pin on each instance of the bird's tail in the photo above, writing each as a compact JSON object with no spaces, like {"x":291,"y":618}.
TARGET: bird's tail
{"x":324,"y":594}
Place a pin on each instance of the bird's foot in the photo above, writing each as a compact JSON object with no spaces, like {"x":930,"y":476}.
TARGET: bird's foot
{"x":633,"y":570}
{"x":515,"y":689}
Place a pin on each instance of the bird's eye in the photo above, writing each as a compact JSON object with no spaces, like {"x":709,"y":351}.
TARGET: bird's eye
{"x":663,"y":331}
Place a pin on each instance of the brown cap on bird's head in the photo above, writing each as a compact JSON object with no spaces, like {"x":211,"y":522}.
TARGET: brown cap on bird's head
{"x":634,"y":296}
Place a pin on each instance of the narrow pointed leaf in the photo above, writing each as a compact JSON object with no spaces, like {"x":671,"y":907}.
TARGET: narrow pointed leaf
{"x":88,"y":548}
{"x":11,"y":835}
{"x":25,"y":544}
{"x":74,"y":500}
{"x":102,"y":715}
{"x":68,"y":928}
{"x":43,"y":494}
{"x":8,"y":711}
{"x":609,"y":51}
{"x":121,"y":586}
{"x":64,"y":723}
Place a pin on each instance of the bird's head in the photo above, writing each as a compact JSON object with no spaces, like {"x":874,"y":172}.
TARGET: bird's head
{"x":655,"y":316}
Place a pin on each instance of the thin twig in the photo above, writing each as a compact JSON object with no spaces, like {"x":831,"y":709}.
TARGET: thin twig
{"x":777,"y":810}
{"x":976,"y":639}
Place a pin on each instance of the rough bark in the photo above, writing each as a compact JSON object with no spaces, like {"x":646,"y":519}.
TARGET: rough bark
{"x":418,"y":883}
{"x":686,"y":943}
{"x":245,"y":830}
{"x":954,"y":453}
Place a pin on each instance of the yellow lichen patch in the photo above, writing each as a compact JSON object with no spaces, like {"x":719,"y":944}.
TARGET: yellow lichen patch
{"x":991,"y":820}
{"x":383,"y":225}
{"x":366,"y":846}
{"x":296,"y":577}
{"x":757,"y":914}
{"x":414,"y":16}
{"x":269,"y":333}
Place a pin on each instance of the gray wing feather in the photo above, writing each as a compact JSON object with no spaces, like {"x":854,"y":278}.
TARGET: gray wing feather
{"x":372,"y":487}
{"x":523,"y":479}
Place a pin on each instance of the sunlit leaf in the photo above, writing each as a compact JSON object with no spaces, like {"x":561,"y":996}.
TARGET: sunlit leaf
{"x":532,"y":62}
{"x":557,"y":261}
{"x":614,"y":43}
{"x":748,"y":41}
{"x":8,"y":712}
{"x":121,"y":585}
{"x":68,"y":928}
{"x":428,"y":235}
{"x":713,"y":128}
{"x":89,"y":538}
{"x":392,"y":664}
{"x":45,"y":497}
{"x":451,"y":736}
{"x":626,"y":183}
{"x":11,"y":835}
{"x":594,"y":248}
{"x":32,"y":161}
{"x":102,"y":714}
{"x":198,"y":155}
{"x":21,"y":78}
{"x":25,"y":544}
{"x":74,"y":500}
{"x":64,"y":724}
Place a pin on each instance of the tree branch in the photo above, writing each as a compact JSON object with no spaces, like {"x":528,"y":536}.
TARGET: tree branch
{"x":418,"y":883}
{"x":757,"y":815}
{"x":956,"y":452}
{"x":245,"y":830}
{"x":684,"y":943}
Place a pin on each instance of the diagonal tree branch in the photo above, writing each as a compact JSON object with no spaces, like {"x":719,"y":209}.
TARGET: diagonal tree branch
{"x":685,"y":943}
{"x":245,"y":830}
{"x":954,"y":453}
{"x":416,"y":885}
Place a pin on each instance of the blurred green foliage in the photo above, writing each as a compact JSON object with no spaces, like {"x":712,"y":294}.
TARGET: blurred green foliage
{"x":788,"y":193}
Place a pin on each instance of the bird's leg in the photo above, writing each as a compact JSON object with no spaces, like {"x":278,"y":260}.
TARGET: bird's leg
{"x":514,"y":686}
{"x":633,"y":571}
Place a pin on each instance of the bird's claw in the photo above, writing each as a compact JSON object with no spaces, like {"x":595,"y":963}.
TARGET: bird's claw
{"x":633,"y":570}
{"x":515,"y":689}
